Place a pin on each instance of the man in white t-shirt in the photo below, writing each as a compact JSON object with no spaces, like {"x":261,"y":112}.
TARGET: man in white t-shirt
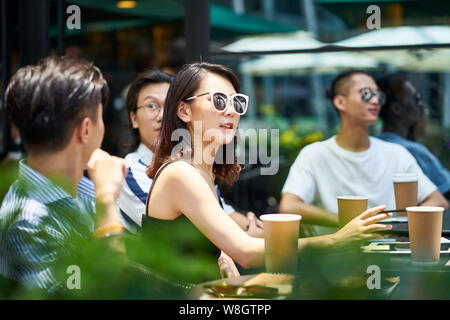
{"x":352,"y":162}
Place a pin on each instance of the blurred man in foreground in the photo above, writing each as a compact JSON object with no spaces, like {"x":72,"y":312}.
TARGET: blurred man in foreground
{"x":57,"y":106}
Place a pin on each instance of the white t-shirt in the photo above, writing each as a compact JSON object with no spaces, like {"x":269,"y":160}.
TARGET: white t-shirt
{"x":323,"y":171}
{"x":135,"y":189}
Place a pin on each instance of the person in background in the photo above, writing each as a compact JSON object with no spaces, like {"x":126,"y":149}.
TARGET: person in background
{"x":57,"y":106}
{"x":352,"y":162}
{"x":145,"y":101}
{"x":404,"y":119}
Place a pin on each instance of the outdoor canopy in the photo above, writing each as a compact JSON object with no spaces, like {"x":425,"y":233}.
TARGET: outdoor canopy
{"x":156,"y":10}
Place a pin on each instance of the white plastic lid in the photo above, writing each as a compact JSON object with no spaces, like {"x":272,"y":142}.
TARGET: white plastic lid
{"x":405,"y":177}
{"x":280,"y":217}
{"x":352,"y":198}
{"x":424,"y":209}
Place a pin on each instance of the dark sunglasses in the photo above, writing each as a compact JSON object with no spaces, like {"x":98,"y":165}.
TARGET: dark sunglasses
{"x":367,"y":94}
{"x":220,"y":101}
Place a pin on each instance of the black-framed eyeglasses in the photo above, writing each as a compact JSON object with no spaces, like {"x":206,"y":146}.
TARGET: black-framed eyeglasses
{"x":150,"y":106}
{"x":367,"y":94}
{"x":220,"y":101}
{"x":153,"y":108}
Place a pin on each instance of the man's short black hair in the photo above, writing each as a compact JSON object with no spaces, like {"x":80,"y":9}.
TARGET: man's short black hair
{"x":341,"y":81}
{"x":48,"y":100}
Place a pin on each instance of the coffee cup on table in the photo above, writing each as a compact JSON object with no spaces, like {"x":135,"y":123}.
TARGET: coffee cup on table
{"x":425,"y":231}
{"x":349,"y":207}
{"x":405,"y":188}
{"x":281,"y":233}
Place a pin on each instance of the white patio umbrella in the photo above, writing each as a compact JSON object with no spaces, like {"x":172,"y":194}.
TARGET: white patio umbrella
{"x":432,"y":60}
{"x":395,"y":36}
{"x":271,"y":42}
{"x":293,"y":63}
{"x":299,"y":63}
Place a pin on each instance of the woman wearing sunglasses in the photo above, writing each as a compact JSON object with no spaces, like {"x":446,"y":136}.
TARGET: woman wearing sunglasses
{"x":202,"y":98}
{"x":145,"y":102}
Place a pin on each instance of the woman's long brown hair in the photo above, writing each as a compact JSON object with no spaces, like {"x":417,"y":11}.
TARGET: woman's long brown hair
{"x":184,"y":85}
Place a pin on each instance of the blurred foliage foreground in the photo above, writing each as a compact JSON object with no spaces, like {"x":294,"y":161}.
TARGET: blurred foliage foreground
{"x":169,"y":257}
{"x":347,"y":273}
{"x":163,"y":269}
{"x":162,"y":263}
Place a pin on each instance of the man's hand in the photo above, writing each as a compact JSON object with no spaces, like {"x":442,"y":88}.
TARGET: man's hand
{"x":107,"y":172}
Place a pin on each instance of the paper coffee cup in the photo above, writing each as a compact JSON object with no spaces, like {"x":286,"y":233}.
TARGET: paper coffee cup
{"x":425,"y":230}
{"x":405,"y":189}
{"x":281,"y":233}
{"x":349,"y":207}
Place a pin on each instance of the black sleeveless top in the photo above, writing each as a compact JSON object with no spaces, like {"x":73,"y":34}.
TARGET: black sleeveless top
{"x":193,"y":256}
{"x":164,"y":165}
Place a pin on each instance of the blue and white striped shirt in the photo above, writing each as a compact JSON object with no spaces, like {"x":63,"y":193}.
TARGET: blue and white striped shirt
{"x":134,"y":193}
{"x":36,"y":218}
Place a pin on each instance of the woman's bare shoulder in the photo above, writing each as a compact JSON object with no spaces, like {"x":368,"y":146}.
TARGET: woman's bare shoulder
{"x":177,"y":184}
{"x":181,"y":173}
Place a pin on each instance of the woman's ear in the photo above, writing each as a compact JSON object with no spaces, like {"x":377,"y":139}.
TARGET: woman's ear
{"x":184,"y":112}
{"x":133,"y":120}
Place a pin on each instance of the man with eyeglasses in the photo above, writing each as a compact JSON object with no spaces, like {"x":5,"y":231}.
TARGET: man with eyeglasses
{"x":351,"y":162}
{"x":404,"y":118}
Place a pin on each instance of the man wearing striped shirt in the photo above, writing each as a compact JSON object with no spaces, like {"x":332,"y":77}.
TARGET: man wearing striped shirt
{"x":57,"y":107}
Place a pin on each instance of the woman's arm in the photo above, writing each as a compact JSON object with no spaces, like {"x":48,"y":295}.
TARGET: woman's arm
{"x":180,"y":189}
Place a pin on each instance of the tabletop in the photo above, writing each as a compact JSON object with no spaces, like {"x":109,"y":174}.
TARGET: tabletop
{"x":402,"y":228}
{"x":349,"y":274}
